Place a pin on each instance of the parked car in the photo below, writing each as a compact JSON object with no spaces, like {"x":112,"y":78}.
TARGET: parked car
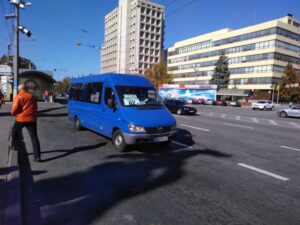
{"x":189,"y":101}
{"x":293,"y":111}
{"x":178,"y":106}
{"x":221,"y":103}
{"x":198,"y":101}
{"x":208,"y":101}
{"x":235,"y":103}
{"x":263,"y":105}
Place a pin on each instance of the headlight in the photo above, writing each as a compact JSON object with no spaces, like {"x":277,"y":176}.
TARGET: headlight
{"x":134,"y":128}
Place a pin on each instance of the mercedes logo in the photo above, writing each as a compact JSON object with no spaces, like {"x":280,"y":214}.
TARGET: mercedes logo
{"x":160,"y":128}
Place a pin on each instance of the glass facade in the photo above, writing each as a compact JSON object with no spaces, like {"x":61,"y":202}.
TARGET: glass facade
{"x":263,"y":60}
{"x":241,"y":59}
{"x":243,"y":48}
{"x":244,"y":37}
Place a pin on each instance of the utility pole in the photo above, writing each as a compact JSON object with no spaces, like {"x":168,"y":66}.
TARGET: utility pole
{"x":16,"y":48}
{"x":17,"y":4}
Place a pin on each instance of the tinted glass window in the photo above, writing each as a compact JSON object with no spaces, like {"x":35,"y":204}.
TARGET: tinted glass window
{"x":109,"y":94}
{"x":86,"y":92}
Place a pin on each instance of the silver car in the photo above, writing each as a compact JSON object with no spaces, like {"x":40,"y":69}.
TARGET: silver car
{"x":294,"y":111}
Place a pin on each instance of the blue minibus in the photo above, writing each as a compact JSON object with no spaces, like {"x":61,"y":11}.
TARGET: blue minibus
{"x":123,"y":107}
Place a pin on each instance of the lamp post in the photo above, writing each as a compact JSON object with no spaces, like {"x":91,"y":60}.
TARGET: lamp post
{"x":18,"y":4}
{"x":197,"y":72}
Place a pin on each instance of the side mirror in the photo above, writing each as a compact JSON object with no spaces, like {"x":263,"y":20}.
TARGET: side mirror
{"x":111,"y":103}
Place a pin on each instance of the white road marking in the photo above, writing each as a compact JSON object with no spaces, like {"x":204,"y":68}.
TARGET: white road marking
{"x":223,"y":116}
{"x":295,"y":124}
{"x":178,"y":116}
{"x":255,"y":120}
{"x":264,"y":172}
{"x":197,"y":128}
{"x":237,"y":117}
{"x":295,"y":149}
{"x":273,"y":122}
{"x":180,"y":144}
{"x":210,"y":114}
{"x":236,"y":125}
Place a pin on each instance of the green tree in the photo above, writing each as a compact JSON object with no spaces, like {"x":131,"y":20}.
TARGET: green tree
{"x":221,"y":73}
{"x":288,"y":91}
{"x":158,"y":74}
{"x":63,"y":86}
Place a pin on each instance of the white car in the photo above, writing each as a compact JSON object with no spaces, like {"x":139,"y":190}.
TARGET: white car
{"x":263,"y":105}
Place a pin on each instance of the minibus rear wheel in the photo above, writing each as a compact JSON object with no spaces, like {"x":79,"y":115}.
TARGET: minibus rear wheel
{"x":118,"y":141}
{"x":77,"y":124}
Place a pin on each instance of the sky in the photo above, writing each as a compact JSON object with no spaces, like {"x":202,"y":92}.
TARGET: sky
{"x":58,"y":25}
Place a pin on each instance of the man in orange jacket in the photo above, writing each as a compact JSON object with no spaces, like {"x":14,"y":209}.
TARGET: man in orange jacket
{"x":24,"y":107}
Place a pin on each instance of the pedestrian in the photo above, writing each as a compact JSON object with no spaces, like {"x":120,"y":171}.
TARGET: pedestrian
{"x":1,"y":98}
{"x":46,"y":96}
{"x":24,"y":107}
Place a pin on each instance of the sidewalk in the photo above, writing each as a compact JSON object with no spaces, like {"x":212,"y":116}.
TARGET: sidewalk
{"x":10,"y":197}
{"x":10,"y":185}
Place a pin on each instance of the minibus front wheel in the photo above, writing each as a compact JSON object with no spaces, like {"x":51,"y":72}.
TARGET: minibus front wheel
{"x":118,"y":141}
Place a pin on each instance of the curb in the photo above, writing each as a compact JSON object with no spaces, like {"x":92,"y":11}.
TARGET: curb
{"x":12,"y":213}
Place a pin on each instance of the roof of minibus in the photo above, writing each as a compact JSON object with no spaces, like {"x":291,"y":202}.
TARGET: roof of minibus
{"x":114,"y":79}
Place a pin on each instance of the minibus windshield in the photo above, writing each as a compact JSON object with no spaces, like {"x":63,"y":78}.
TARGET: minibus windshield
{"x":138,"y":96}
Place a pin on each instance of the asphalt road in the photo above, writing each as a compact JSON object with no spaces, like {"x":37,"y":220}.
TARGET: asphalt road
{"x":227,"y":166}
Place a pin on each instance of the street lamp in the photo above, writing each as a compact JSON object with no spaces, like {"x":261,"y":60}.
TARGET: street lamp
{"x":197,"y":72}
{"x":18,"y":4}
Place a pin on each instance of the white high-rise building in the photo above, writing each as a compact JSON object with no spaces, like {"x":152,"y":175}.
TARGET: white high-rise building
{"x":134,"y":34}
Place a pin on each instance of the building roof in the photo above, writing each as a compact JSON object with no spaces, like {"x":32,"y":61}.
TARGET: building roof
{"x":39,"y":74}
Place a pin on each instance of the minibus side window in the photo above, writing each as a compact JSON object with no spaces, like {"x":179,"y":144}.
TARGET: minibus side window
{"x":109,"y":94}
{"x":95,"y":92}
{"x":86,"y":92}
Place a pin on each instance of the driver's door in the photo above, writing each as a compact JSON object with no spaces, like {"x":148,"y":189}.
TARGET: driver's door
{"x":109,"y":115}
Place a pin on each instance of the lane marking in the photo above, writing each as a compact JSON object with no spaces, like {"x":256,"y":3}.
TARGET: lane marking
{"x":179,"y":116}
{"x":236,"y":125}
{"x":295,"y":149}
{"x":295,"y":125}
{"x":273,"y":122}
{"x":264,"y":172}
{"x":255,"y":120}
{"x":237,"y":117}
{"x":197,"y":128}
{"x":223,"y":116}
{"x":180,"y":144}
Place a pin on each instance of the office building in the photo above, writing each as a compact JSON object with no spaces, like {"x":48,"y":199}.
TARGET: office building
{"x":133,"y":38}
{"x":257,"y":54}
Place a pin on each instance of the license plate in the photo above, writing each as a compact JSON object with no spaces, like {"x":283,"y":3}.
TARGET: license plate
{"x":160,"y":139}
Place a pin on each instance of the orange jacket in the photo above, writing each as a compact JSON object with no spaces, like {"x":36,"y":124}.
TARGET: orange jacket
{"x":24,"y":107}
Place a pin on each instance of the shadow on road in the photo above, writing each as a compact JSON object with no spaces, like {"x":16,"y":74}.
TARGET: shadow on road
{"x":84,"y":196}
{"x":50,"y":109}
{"x":66,"y":152}
{"x":53,"y":115}
{"x":5,"y":114}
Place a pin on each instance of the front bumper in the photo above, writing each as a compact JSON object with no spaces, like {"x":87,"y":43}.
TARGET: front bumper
{"x":132,"y":139}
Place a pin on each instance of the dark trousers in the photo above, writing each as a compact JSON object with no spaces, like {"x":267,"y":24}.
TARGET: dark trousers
{"x":32,"y":129}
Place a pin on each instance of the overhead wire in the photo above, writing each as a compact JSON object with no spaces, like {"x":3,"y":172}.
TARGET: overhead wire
{"x":62,"y":23}
{"x":3,"y":11}
{"x":181,"y":8}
